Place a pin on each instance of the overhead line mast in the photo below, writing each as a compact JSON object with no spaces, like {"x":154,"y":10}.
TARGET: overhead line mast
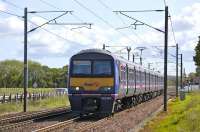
{"x":25,"y":43}
{"x":165,"y":41}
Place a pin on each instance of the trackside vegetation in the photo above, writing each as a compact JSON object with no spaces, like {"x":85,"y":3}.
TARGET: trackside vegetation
{"x":52,"y":102}
{"x":40,"y":76}
{"x":182,"y":116}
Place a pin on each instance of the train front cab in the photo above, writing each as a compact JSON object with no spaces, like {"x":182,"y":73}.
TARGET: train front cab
{"x":92,"y":83}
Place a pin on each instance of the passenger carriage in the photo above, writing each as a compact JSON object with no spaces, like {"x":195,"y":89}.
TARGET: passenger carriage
{"x":100,"y":82}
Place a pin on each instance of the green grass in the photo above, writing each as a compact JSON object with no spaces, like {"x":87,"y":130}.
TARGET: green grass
{"x":52,"y":102}
{"x":9,"y":91}
{"x":182,"y":116}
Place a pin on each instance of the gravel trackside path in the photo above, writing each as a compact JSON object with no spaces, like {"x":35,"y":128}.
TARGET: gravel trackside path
{"x":128,"y":120}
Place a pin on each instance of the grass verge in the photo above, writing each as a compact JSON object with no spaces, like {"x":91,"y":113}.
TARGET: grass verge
{"x":182,"y":116}
{"x":49,"y":103}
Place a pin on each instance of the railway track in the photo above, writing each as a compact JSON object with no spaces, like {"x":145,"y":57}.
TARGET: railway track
{"x":57,"y":125}
{"x":18,"y":121}
{"x":22,"y":117}
{"x":72,"y":123}
{"x":98,"y":125}
{"x":76,"y":124}
{"x":90,"y":125}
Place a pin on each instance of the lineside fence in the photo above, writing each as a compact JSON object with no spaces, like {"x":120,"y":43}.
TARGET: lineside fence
{"x":30,"y":96}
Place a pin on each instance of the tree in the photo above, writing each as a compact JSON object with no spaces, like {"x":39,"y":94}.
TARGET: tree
{"x":197,"y":55}
{"x":11,"y":75}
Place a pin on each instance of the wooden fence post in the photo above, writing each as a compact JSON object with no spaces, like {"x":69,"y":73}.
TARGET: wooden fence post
{"x":10,"y":98}
{"x":4,"y":97}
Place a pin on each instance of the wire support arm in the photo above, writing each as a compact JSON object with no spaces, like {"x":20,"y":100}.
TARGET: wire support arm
{"x":141,"y":11}
{"x":47,"y":22}
{"x":143,"y":23}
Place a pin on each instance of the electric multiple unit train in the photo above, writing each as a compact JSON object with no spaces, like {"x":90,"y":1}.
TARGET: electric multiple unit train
{"x":101,"y":82}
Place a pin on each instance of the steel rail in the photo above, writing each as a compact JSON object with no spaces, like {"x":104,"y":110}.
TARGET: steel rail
{"x":57,"y":125}
{"x":18,"y":118}
{"x":26,"y":122}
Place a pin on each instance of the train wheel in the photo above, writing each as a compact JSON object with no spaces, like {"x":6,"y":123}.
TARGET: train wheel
{"x":81,"y":115}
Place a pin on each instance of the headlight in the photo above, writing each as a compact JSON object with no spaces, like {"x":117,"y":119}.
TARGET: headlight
{"x":77,"y":88}
{"x":106,"y":89}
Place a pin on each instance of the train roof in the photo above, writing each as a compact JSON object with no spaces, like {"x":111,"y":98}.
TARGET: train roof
{"x":101,"y":51}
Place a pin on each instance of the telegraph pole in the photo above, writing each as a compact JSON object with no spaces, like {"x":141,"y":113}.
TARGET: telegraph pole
{"x":133,"y":57}
{"x":141,"y":50}
{"x":165,"y":58}
{"x":128,"y":50}
{"x":176,"y":70}
{"x":181,"y":71}
{"x":104,"y":46}
{"x":25,"y":60}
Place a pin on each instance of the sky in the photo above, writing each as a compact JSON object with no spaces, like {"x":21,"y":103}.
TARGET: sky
{"x":53,"y":45}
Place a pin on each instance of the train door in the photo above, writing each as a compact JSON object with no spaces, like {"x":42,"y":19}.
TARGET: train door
{"x":123,"y":80}
{"x":140,"y":77}
{"x":149,"y":76}
{"x":156,"y":82}
{"x":130,"y":80}
{"x":134,"y":74}
{"x":127,"y":79}
{"x":145,"y":84}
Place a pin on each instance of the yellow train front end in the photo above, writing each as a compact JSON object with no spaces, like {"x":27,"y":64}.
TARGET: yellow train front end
{"x":91,"y":83}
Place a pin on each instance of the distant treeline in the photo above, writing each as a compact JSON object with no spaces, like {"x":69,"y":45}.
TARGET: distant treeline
{"x":11,"y":75}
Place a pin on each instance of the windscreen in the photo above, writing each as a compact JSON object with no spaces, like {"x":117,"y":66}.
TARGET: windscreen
{"x":82,"y":67}
{"x":92,"y":67}
{"x":102,"y":68}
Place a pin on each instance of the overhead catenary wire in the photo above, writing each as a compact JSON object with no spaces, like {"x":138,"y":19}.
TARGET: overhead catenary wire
{"x":12,"y":4}
{"x":53,"y":6}
{"x":48,"y":22}
{"x":172,"y":55}
{"x":75,"y":16}
{"x":57,"y":8}
{"x":143,"y":22}
{"x":109,"y":8}
{"x":43,"y":29}
{"x":55,"y":34}
{"x":12,"y":14}
{"x":172,"y":28}
{"x":171,"y":23}
{"x":165,"y":3}
{"x":103,"y":4}
{"x":118,"y":16}
{"x":150,"y":26}
{"x":18,"y":7}
{"x":100,"y":18}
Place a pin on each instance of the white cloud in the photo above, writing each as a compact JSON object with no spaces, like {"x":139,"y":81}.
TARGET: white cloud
{"x":2,"y":6}
{"x":189,"y":25}
{"x":11,"y":24}
{"x":44,"y":44}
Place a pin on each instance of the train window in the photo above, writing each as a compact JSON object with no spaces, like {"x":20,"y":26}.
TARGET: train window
{"x":82,"y":67}
{"x":137,"y":77}
{"x":102,"y":68}
{"x":122,"y":72}
{"x":143,"y":77}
